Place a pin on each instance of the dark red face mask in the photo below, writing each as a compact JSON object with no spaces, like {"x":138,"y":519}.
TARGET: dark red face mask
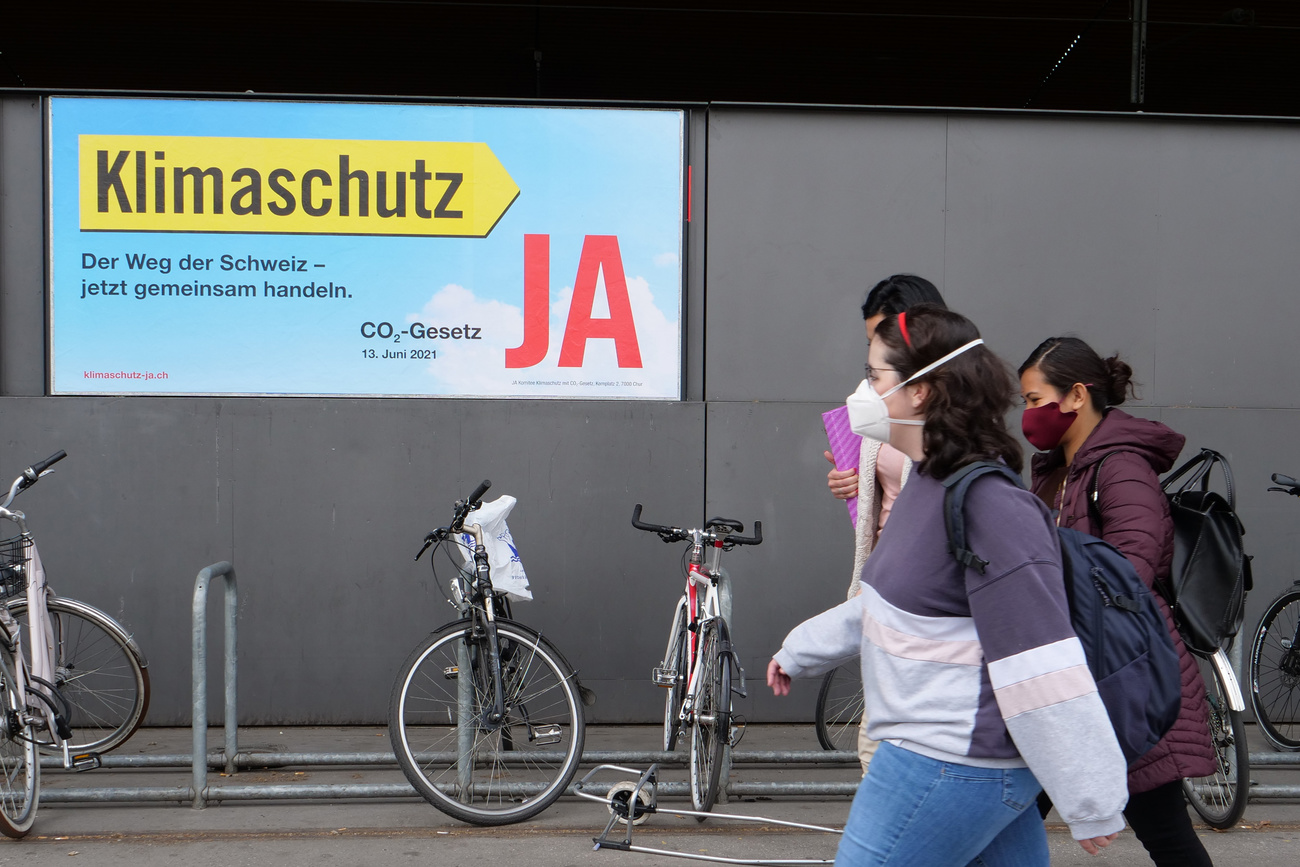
{"x":1044,"y":425}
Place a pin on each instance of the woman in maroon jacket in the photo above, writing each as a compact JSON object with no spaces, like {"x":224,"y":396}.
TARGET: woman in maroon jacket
{"x":1069,"y":394}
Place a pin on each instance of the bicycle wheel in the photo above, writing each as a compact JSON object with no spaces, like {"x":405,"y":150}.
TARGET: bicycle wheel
{"x":1275,"y":672}
{"x":97,"y":670}
{"x":711,"y":719}
{"x":513,"y":768}
{"x":675,"y":661}
{"x":1220,"y":798}
{"x":839,"y":708}
{"x":19,"y":769}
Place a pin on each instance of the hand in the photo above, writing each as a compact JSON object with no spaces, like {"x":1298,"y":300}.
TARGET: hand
{"x":1093,"y":846}
{"x":777,"y":679}
{"x":843,"y":483}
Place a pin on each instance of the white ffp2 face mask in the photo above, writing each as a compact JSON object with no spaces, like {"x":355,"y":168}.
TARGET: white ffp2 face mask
{"x":868,"y":415}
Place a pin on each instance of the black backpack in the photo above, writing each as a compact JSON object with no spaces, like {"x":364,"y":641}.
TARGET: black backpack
{"x":1210,"y":573}
{"x":1124,"y":636}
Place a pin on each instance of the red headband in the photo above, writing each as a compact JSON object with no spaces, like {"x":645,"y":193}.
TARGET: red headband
{"x":902,"y":328}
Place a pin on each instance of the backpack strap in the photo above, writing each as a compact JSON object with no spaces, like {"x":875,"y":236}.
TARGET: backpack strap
{"x":1200,"y":467}
{"x":954,"y":500}
{"x":1094,"y":504}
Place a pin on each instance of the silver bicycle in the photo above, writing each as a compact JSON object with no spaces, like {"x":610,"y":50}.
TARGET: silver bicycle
{"x":72,"y":681}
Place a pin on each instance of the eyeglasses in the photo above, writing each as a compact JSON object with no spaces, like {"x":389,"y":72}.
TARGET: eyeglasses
{"x":872,"y":373}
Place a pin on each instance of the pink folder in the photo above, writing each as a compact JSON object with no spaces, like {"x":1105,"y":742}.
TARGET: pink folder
{"x":846,"y":448}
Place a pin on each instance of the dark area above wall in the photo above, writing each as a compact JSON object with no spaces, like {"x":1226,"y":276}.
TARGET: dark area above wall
{"x":1202,"y":56}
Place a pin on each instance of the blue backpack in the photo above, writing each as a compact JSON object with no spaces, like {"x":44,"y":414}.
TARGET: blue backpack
{"x":1124,"y":636}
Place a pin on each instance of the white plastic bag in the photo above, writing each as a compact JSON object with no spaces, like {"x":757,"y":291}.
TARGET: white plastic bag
{"x":503,"y":558}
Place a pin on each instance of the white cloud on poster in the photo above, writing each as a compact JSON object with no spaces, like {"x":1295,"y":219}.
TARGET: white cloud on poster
{"x":478,"y":366}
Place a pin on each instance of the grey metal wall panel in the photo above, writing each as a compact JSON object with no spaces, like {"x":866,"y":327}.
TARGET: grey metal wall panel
{"x":1169,"y":241}
{"x":321,"y":505}
{"x":1051,"y":230}
{"x":765,"y":463}
{"x":807,"y":210}
{"x":1228,"y":299}
{"x":22,"y":247}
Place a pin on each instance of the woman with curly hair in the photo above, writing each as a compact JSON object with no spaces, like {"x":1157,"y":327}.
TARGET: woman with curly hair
{"x":975,"y":684}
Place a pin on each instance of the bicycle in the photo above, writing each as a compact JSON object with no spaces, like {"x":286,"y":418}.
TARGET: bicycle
{"x":486,"y":716}
{"x":1275,"y":658}
{"x":63,"y":680}
{"x":840,"y":705}
{"x":699,"y":660}
{"x":98,"y":668}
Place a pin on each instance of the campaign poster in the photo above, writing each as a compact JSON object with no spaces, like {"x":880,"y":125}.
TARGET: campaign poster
{"x":210,"y":247}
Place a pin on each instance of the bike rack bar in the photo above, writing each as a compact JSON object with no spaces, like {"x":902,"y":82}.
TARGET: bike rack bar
{"x":181,"y":794}
{"x":199,"y":762}
{"x":268,"y":760}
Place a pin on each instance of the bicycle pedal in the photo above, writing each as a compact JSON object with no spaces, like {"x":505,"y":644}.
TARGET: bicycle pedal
{"x":665,"y":677}
{"x":450,"y":672}
{"x":545,"y":735}
{"x":86,"y":762}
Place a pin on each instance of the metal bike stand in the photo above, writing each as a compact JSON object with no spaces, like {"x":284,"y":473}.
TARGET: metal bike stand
{"x":199,"y":755}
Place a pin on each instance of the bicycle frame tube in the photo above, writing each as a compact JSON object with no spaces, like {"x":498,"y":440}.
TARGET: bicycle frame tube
{"x":698,"y":614}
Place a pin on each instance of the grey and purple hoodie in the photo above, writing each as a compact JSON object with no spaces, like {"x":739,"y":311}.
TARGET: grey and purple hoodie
{"x":982,"y":670}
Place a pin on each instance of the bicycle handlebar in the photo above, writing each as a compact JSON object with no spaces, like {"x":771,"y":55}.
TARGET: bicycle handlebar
{"x":675,"y":534}
{"x":651,"y":528}
{"x":41,"y":466}
{"x":1290,"y":485}
{"x":469,"y":504}
{"x":461,"y":512}
{"x":482,"y":489}
{"x":29,"y":476}
{"x":756,"y":539}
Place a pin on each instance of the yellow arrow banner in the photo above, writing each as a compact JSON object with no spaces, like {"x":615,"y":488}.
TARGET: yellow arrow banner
{"x":138,"y":183}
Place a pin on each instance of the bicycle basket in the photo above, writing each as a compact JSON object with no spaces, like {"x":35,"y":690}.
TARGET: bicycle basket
{"x":13,"y":560}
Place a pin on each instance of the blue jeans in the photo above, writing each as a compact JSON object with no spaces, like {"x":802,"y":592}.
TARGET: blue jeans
{"x":914,"y":811}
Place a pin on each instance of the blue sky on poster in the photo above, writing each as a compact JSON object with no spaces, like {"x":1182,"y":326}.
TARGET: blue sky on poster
{"x":580,"y":172}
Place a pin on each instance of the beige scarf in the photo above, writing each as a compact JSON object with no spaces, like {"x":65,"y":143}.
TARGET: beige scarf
{"x":869,"y":495}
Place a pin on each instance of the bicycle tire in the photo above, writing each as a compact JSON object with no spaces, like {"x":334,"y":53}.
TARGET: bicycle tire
{"x":675,"y":657}
{"x":1220,"y":798}
{"x":20,"y":771}
{"x":99,"y":672}
{"x":509,"y":779}
{"x":1275,"y":672}
{"x":839,"y":708}
{"x":711,"y":717}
